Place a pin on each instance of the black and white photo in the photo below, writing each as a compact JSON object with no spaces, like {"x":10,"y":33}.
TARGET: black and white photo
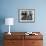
{"x":26,"y":15}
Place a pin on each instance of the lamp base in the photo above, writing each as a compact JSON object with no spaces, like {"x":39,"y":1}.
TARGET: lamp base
{"x":9,"y":33}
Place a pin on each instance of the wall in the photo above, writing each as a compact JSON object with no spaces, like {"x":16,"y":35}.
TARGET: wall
{"x":9,"y":8}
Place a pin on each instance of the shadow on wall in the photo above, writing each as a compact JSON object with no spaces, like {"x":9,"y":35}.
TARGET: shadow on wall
{"x":2,"y":21}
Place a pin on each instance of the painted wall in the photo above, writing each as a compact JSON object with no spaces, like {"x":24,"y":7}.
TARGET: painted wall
{"x":9,"y":8}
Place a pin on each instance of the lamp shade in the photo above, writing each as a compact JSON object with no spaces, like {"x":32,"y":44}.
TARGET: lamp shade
{"x":9,"y":21}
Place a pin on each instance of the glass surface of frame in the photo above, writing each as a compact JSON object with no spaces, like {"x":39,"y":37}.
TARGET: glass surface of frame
{"x":26,"y":15}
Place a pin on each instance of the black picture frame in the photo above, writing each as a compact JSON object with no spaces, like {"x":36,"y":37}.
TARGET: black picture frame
{"x":26,"y":15}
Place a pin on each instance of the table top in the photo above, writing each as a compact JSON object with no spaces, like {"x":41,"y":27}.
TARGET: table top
{"x":22,"y":35}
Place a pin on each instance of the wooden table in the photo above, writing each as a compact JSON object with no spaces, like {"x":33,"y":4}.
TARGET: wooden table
{"x":20,"y":39}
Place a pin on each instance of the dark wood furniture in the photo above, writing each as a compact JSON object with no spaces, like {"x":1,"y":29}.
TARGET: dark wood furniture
{"x":20,"y":39}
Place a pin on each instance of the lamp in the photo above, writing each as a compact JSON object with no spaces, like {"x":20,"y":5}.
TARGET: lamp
{"x":9,"y":21}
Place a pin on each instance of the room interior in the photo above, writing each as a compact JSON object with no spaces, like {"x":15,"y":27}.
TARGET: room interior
{"x":10,"y":9}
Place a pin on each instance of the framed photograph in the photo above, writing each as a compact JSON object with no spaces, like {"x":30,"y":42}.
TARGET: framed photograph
{"x":26,"y":15}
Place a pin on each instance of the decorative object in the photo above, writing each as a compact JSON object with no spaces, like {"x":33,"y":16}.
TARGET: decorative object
{"x":30,"y":33}
{"x":9,"y":21}
{"x":26,"y":15}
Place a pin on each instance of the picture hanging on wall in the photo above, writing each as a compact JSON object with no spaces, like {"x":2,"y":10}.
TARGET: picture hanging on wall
{"x":26,"y":15}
